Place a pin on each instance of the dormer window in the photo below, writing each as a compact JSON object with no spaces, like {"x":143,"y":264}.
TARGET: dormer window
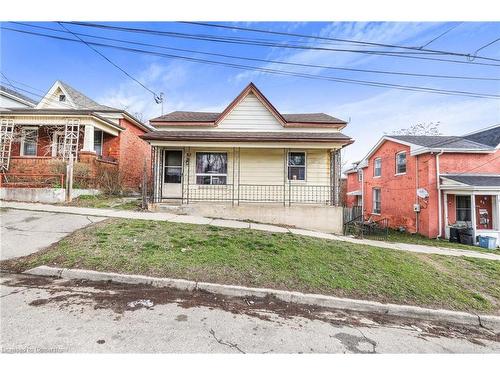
{"x":62,"y":98}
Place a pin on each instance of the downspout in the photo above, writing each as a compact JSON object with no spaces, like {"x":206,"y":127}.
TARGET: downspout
{"x":416,"y":195}
{"x":363,"y":193}
{"x":438,"y":185}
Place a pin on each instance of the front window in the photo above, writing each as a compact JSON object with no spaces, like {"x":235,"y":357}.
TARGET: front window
{"x":377,"y":202}
{"x":211,"y":168}
{"x":296,"y":166}
{"x":463,"y":208}
{"x":401,"y":162}
{"x":29,"y":141}
{"x":377,"y":167}
{"x":98,"y":134}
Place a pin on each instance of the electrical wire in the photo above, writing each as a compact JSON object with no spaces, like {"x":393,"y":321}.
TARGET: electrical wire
{"x":276,"y":71}
{"x":276,"y":45}
{"x":334,"y":39}
{"x":266,"y":60}
{"x":111,"y":62}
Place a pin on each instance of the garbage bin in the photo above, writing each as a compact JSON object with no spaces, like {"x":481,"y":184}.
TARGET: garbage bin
{"x":466,"y":238}
{"x":454,"y":234}
{"x":487,"y":242}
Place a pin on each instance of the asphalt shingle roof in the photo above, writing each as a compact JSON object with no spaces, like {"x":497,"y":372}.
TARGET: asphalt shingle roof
{"x":19,"y":95}
{"x":490,"y":137}
{"x":476,"y":180}
{"x":442,"y":141}
{"x":82,"y":101}
{"x":185,"y":116}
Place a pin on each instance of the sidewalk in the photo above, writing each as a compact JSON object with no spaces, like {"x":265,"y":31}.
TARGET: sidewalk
{"x":189,"y":219}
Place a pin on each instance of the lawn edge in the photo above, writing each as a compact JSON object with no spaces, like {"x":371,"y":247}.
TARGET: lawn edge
{"x":491,"y":322}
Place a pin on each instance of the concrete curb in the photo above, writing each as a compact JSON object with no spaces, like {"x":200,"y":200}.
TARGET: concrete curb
{"x":490,"y":322}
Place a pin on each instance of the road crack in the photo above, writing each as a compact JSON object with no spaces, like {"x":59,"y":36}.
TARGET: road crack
{"x":226,"y":343}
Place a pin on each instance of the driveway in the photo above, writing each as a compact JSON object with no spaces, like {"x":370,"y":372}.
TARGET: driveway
{"x":26,"y":232}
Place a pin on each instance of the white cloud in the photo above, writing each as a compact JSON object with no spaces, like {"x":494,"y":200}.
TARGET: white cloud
{"x":129,"y":95}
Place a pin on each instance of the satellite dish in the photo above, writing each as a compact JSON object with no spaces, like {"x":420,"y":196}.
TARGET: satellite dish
{"x":422,"y":193}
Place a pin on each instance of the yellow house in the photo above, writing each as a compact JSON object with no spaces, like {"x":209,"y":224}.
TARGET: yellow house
{"x":249,"y":161}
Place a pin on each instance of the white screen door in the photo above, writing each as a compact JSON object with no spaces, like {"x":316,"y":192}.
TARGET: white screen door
{"x":172,"y":174}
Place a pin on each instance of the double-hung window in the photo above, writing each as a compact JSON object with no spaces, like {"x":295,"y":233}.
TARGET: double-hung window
{"x":463,"y":207}
{"x":296,"y":166}
{"x":377,"y":167}
{"x":29,"y":141}
{"x":98,"y":136}
{"x":211,"y":168}
{"x":377,"y":200}
{"x":401,"y":162}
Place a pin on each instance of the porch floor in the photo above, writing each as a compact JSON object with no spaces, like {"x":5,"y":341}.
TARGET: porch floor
{"x":162,"y":216}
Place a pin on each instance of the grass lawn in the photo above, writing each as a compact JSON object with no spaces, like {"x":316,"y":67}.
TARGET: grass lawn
{"x":405,"y":237}
{"x":107,"y":201}
{"x":276,"y":260}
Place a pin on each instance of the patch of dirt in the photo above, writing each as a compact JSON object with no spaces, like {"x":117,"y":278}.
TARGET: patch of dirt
{"x":116,"y":297}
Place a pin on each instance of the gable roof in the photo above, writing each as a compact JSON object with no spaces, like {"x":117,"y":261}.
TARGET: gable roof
{"x":489,"y":136}
{"x":214,"y":118}
{"x":75,"y":99}
{"x":17,"y":96}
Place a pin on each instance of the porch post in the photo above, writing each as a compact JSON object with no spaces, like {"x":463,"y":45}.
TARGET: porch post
{"x":498,"y":215}
{"x":445,"y":213}
{"x":88,"y":139}
{"x":335,"y":177}
{"x":473,"y":216}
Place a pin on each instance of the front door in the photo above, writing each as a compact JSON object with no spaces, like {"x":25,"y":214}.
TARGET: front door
{"x":172,"y":174}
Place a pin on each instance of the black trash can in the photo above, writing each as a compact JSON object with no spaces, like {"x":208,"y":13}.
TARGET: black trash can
{"x":466,"y":236}
{"x":454,"y":234}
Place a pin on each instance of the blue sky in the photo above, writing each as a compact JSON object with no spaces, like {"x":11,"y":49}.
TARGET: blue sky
{"x":38,"y":62}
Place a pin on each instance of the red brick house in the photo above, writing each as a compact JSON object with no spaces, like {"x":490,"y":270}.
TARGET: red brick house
{"x":429,"y":184}
{"x":65,"y":122}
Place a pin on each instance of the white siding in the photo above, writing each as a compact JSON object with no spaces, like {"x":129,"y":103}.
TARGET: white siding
{"x":7,"y":102}
{"x":250,"y":114}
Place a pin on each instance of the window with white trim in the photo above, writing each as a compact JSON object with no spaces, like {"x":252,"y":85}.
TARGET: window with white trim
{"x":29,"y":141}
{"x":98,"y":137}
{"x":463,"y":208}
{"x":211,"y":168}
{"x":377,"y":200}
{"x":377,"y":167}
{"x":296,"y":166}
{"x":401,"y":162}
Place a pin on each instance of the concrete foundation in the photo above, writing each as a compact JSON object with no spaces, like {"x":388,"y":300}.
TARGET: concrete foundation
{"x":320,"y":218}
{"x":41,"y":195}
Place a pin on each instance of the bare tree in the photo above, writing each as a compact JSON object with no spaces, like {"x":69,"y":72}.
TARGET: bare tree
{"x":431,"y":128}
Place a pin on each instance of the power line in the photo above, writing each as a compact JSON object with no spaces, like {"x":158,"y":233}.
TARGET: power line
{"x":486,"y":45}
{"x":440,"y":35}
{"x":334,"y":39}
{"x":278,"y":45}
{"x":267,"y":60}
{"x":276,"y":71}
{"x":111,"y":62}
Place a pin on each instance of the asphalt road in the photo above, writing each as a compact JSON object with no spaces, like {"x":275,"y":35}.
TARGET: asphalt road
{"x":25,"y":232}
{"x":47,"y":315}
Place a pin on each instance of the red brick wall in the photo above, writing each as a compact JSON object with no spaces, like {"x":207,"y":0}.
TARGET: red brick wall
{"x":352,"y":185}
{"x":399,"y":192}
{"x":133,"y":151}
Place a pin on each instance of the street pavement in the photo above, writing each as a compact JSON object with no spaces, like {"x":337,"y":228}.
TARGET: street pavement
{"x":26,"y":232}
{"x":54,"y":315}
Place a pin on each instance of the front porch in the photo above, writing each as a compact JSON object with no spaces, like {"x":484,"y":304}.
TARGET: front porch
{"x":36,"y":151}
{"x":472,"y":202}
{"x":242,"y":175}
